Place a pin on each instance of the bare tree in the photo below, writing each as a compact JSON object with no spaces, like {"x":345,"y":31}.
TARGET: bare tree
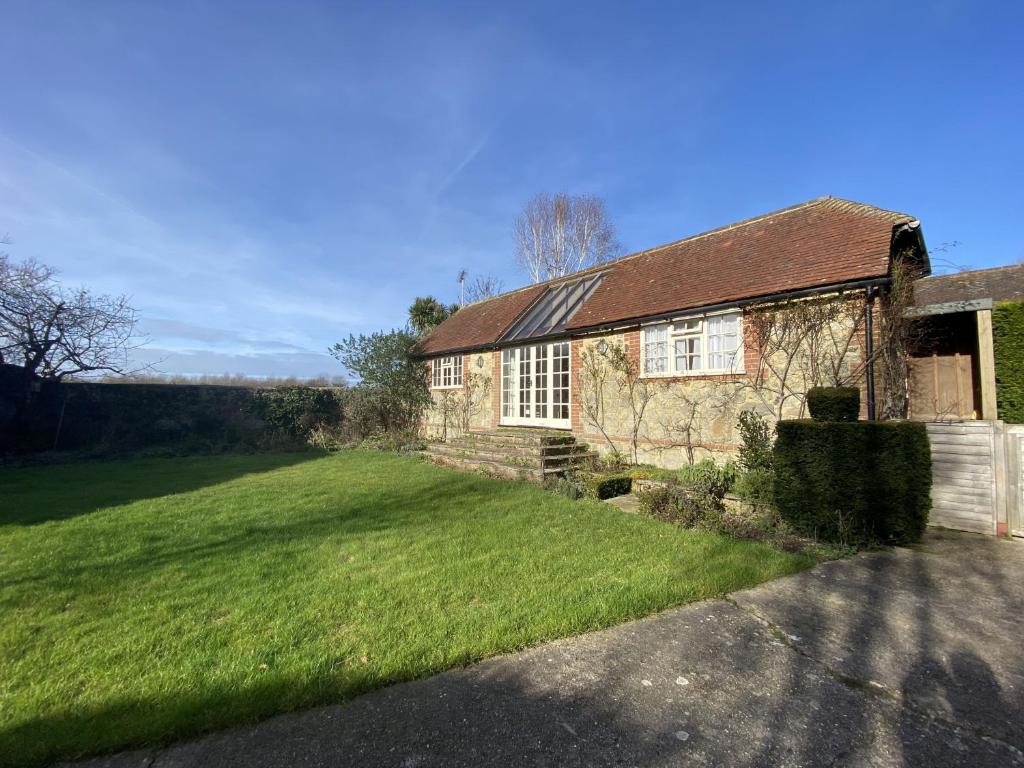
{"x":691,"y":412}
{"x":598,"y":371}
{"x":899,"y":335}
{"x":483,"y":287}
{"x":55,"y":332}
{"x":557,"y":235}
{"x":805,"y":343}
{"x":591,"y":380}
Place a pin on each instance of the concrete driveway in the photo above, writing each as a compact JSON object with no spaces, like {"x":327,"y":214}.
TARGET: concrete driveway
{"x":904,"y":657}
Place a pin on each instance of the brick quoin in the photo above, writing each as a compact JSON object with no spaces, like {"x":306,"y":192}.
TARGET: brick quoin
{"x":575,"y":411}
{"x":496,"y":388}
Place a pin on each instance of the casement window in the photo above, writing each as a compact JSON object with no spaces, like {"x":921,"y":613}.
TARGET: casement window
{"x":694,"y":345}
{"x":446,"y":372}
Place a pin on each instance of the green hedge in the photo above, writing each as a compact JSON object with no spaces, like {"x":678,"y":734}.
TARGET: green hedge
{"x":854,"y":482}
{"x":296,"y":410}
{"x":834,"y":403}
{"x":608,"y":486}
{"x":1008,"y":334}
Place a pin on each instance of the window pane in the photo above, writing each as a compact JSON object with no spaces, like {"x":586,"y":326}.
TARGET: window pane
{"x":655,"y":349}
{"x":723,"y":341}
{"x":687,"y":354}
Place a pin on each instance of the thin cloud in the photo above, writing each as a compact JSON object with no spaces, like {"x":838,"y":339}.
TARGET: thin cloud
{"x":457,"y":171}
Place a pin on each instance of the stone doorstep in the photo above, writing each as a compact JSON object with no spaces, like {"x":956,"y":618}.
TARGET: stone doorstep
{"x":508,"y":471}
{"x":522,"y":438}
{"x":513,"y":454}
{"x":513,"y":449}
{"x":460,"y":453}
{"x":554,"y":465}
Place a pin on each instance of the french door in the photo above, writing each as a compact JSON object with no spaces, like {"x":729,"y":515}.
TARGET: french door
{"x":535,"y":385}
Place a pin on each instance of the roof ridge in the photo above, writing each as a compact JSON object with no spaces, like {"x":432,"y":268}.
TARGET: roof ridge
{"x":837,"y":202}
{"x":973,"y":271}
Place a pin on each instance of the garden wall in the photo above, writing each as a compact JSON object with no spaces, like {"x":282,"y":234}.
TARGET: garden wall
{"x":122,"y":418}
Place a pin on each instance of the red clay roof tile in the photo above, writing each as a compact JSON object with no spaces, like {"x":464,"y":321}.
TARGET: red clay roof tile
{"x":822,"y":242}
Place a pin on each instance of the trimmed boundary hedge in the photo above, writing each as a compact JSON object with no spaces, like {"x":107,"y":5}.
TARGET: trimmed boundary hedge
{"x":834,"y":403}
{"x":1008,"y":335}
{"x":859,"y":482}
{"x":124,"y":418}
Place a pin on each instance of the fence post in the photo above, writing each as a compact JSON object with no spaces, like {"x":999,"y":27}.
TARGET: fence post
{"x":999,"y":477}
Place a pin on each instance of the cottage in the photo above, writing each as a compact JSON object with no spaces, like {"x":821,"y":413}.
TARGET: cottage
{"x":655,"y":354}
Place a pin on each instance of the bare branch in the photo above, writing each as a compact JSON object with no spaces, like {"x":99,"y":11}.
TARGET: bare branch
{"x":561,"y":234}
{"x":54,"y":332}
{"x":483,"y":287}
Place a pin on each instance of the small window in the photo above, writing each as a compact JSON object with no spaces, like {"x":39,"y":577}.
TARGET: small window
{"x":656,"y":349}
{"x":704,"y":344}
{"x":446,"y":372}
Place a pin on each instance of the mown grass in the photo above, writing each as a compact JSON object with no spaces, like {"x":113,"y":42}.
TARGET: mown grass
{"x":146,"y":601}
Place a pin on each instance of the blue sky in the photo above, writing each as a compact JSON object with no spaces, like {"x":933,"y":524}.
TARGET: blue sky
{"x":266,"y":177}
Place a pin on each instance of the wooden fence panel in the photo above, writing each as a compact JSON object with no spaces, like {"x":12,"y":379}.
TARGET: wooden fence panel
{"x":964,"y":475}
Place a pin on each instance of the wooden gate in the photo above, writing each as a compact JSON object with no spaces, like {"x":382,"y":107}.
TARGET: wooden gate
{"x":977,"y":476}
{"x":963,"y":475}
{"x":1015,"y":479}
{"x":943,"y":387}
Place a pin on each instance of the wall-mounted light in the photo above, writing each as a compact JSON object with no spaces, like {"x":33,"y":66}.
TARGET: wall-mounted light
{"x":602,"y":347}
{"x":479,"y":361}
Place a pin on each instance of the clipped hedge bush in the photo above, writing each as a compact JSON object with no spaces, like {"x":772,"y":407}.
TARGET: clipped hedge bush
{"x":608,"y":486}
{"x":297,"y":410}
{"x":1008,"y":335}
{"x":678,"y":504}
{"x":834,"y":403}
{"x":854,"y":482}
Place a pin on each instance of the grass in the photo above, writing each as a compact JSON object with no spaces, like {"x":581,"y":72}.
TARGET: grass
{"x":150,"y":600}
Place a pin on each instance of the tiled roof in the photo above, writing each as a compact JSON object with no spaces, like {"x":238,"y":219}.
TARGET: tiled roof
{"x":998,"y":284}
{"x":481,"y":323}
{"x":826,"y":241}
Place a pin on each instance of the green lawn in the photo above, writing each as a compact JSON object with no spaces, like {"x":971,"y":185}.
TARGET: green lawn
{"x":146,"y":601}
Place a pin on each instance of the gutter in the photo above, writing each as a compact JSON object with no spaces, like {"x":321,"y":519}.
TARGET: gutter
{"x":628,"y":322}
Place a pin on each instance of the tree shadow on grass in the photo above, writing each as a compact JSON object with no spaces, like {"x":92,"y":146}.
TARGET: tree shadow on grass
{"x":33,"y":495}
{"x":709,"y":685}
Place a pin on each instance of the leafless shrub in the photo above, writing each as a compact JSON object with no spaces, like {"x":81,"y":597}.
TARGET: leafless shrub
{"x":557,"y":235}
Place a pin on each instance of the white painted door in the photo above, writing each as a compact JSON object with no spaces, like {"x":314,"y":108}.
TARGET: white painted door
{"x":535,"y":386}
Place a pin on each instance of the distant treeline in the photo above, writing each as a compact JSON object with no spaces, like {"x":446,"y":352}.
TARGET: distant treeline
{"x":229,"y":380}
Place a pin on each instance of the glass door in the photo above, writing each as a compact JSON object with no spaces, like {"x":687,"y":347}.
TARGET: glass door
{"x":535,"y":385}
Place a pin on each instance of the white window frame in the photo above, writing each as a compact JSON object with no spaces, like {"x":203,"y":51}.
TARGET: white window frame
{"x":695,"y":326}
{"x":538,"y":379}
{"x":446,"y":372}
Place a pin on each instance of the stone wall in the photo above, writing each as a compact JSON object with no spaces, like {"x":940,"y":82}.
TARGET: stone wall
{"x":472,"y":404}
{"x":687,"y":418}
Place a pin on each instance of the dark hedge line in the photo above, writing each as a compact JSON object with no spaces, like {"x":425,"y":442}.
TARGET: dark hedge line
{"x":128,"y":418}
{"x":1008,"y":335}
{"x":857,"y":482}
